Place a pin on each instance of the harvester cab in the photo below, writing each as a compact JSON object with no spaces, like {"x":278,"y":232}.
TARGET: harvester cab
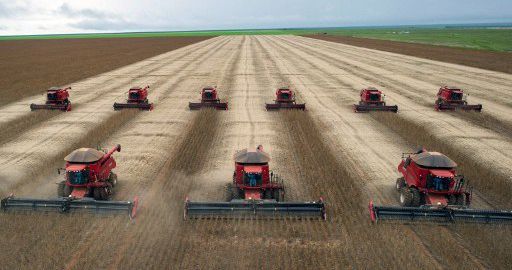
{"x":372,"y":99}
{"x":454,"y":98}
{"x":89,"y":184}
{"x":429,"y":178}
{"x":252,"y":178}
{"x":209,"y":99}
{"x":285,"y":99}
{"x":89,"y":174}
{"x":430,"y":189}
{"x":56,"y":99}
{"x":137,"y":98}
{"x":255,"y":191}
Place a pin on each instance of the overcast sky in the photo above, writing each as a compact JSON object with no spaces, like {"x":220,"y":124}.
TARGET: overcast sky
{"x":54,"y":16}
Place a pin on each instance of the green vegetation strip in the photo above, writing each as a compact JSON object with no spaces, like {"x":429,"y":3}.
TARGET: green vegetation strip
{"x":471,"y":38}
{"x":483,"y":38}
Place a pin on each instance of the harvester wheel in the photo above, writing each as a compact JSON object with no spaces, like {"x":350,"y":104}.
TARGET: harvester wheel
{"x":101,"y":194}
{"x":60,"y":189}
{"x":279,"y":195}
{"x":405,"y":197}
{"x":460,"y":199}
{"x":400,"y":183}
{"x":229,"y":192}
{"x":112,"y":178}
{"x":416,"y":197}
{"x":67,"y":190}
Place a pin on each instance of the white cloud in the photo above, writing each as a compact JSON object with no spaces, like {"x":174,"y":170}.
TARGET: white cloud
{"x":58,"y":16}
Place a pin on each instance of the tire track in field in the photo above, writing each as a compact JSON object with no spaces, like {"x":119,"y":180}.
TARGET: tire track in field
{"x":438,"y":69}
{"x":300,"y":127}
{"x":488,"y":119}
{"x":194,"y":151}
{"x":20,"y":125}
{"x":123,"y":95}
{"x":94,"y":136}
{"x":186,"y":160}
{"x":472,"y":168}
{"x":354,"y":67}
{"x":119,"y":222}
{"x":426,"y":242}
{"x":469,"y":233}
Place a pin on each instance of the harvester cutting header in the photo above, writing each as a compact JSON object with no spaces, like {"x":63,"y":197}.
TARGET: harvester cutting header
{"x":431,"y":189}
{"x":89,"y":184}
{"x":255,"y":191}
{"x":56,"y":99}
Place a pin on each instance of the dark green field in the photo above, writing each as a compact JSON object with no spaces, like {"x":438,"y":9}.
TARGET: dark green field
{"x":492,"y":39}
{"x":472,"y":38}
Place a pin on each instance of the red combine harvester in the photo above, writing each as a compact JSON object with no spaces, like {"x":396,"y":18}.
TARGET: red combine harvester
{"x":89,"y":185}
{"x":285,"y":99}
{"x":255,"y":191}
{"x":373,"y":100}
{"x":209,"y":99}
{"x":453,"y":98}
{"x":137,"y":98}
{"x":430,"y":189}
{"x":56,"y":99}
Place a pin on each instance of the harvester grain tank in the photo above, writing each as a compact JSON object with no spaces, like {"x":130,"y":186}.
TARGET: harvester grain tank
{"x":56,"y":99}
{"x":285,"y":99}
{"x":137,"y":99}
{"x":454,"y":98}
{"x":255,"y":191}
{"x":431,"y":189}
{"x":372,"y":99}
{"x":209,"y":99}
{"x":89,"y":184}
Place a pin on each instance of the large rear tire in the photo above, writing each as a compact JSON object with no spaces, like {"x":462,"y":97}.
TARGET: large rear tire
{"x":67,"y":190}
{"x":60,"y":189}
{"x":229,"y":192}
{"x":101,"y":194}
{"x":460,"y":200}
{"x":416,"y":197}
{"x":279,"y":195}
{"x":400,"y":183}
{"x":237,"y":194}
{"x":405,"y":197}
{"x":112,"y":178}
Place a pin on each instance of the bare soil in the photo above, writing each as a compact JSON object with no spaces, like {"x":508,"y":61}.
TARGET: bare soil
{"x":29,"y":67}
{"x":328,"y":150}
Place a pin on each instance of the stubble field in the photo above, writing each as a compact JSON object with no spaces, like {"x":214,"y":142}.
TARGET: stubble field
{"x":329,"y":151}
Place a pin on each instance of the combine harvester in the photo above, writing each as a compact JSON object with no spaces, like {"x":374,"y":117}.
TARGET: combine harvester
{"x":255,"y":192}
{"x":373,"y":100}
{"x":453,"y":98}
{"x":56,"y":99}
{"x":209,"y":99}
{"x":137,"y":98}
{"x":285,"y":99}
{"x":89,"y":185}
{"x":431,"y":190}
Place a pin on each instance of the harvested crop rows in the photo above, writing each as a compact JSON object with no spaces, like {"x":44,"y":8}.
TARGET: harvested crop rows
{"x":329,"y":151}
